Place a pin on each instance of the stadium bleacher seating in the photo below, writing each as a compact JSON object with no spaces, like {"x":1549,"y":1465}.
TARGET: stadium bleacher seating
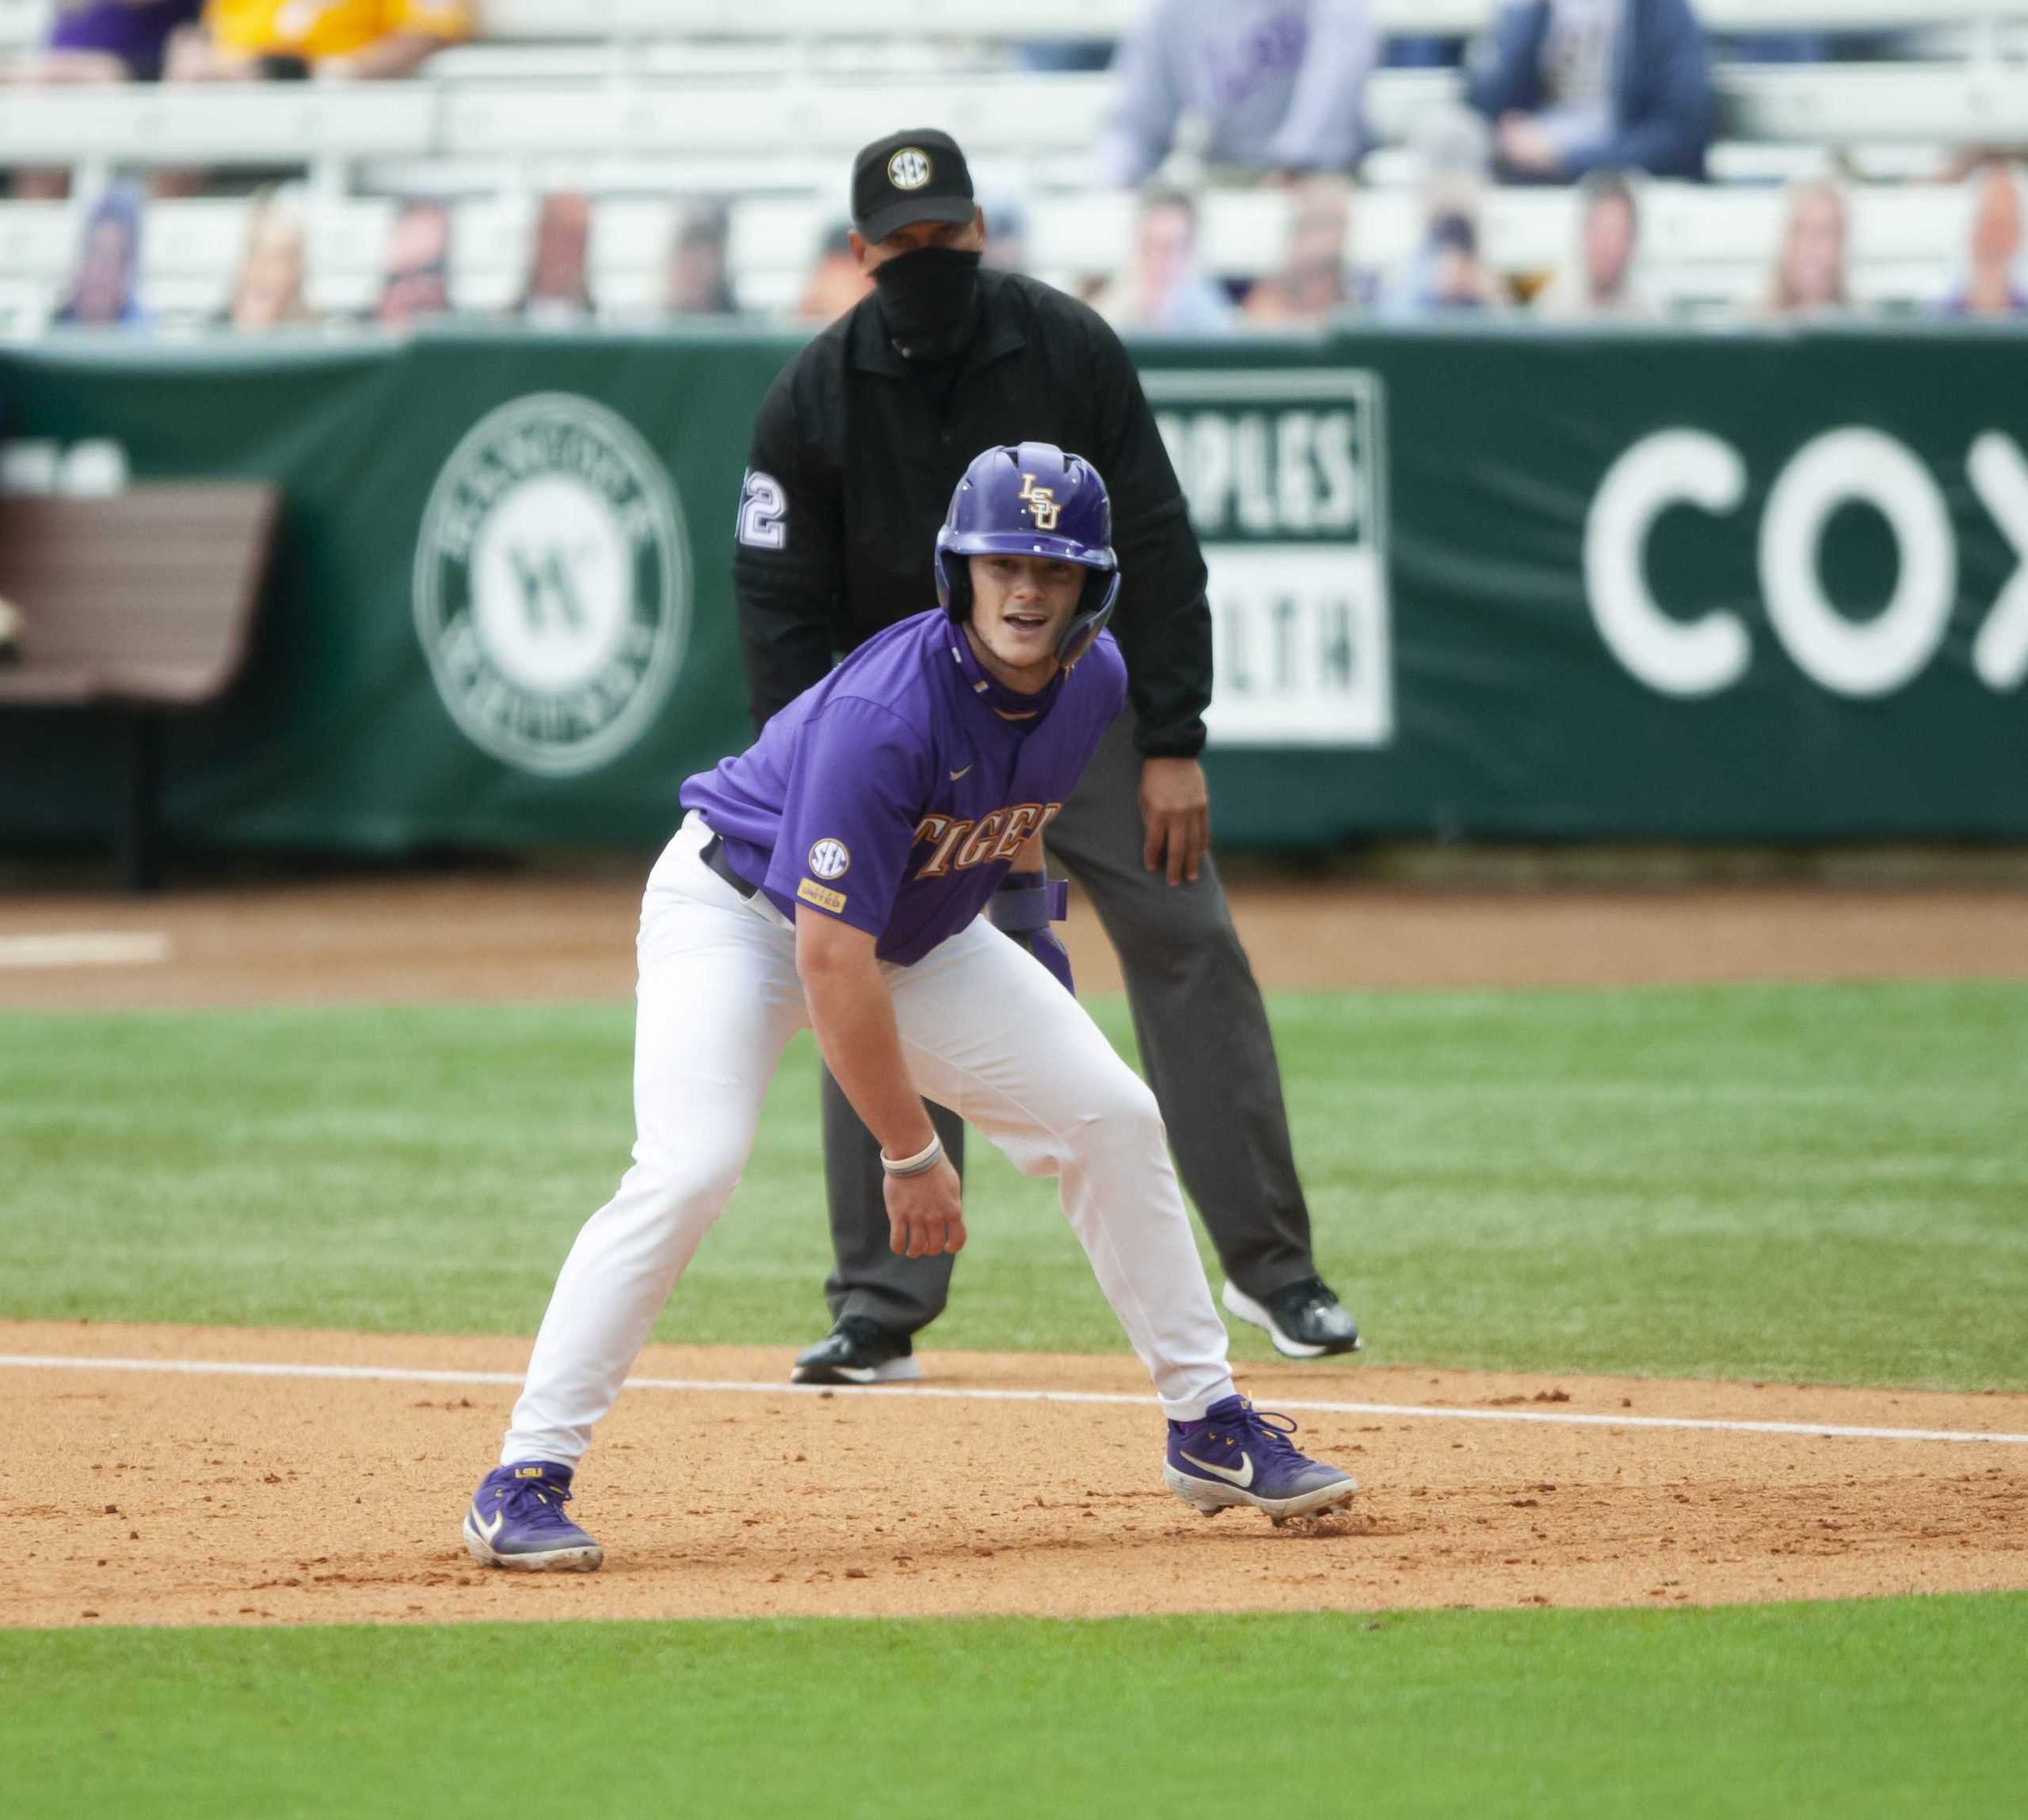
{"x":1707,"y":250}
{"x":641,"y":102}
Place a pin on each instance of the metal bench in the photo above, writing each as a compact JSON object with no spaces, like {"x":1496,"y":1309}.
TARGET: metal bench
{"x":136,"y":606}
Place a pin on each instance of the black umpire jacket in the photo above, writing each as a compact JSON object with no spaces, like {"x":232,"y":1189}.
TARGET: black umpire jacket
{"x":856,"y":454}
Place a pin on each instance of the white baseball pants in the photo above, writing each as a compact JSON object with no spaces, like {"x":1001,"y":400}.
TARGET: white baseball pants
{"x":987,"y":1030}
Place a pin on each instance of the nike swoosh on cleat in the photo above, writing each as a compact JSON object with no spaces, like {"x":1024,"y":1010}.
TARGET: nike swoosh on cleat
{"x":956,"y":775}
{"x":486,"y":1530}
{"x":1241,"y":1478}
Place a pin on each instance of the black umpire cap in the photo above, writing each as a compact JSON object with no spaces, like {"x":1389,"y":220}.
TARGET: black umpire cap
{"x":909,"y":176}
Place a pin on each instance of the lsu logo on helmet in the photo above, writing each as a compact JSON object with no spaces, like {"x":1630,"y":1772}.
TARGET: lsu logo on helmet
{"x":1041,"y":502}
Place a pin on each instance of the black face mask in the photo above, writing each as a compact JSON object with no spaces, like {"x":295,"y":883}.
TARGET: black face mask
{"x":930,"y":299}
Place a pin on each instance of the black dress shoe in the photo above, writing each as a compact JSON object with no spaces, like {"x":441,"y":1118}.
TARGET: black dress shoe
{"x":1305,"y":1320}
{"x":857,"y":1351}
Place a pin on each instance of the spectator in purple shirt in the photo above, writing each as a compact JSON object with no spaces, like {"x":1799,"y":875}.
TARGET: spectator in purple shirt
{"x":94,"y":41}
{"x":102,"y":293}
{"x":1277,"y":85}
{"x":111,"y":40}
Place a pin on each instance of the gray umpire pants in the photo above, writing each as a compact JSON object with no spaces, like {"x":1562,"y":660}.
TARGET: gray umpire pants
{"x":1205,"y":1047}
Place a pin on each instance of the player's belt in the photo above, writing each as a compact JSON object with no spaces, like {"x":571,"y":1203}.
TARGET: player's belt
{"x":713,"y":854}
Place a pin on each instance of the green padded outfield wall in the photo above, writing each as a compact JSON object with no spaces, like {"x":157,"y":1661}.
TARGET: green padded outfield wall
{"x":1749,"y":586}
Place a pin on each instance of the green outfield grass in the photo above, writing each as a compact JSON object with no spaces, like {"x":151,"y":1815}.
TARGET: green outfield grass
{"x":1887,"y":1707}
{"x":1798,"y":1182}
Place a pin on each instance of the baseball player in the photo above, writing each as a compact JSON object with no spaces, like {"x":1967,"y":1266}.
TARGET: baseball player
{"x":832,"y":875}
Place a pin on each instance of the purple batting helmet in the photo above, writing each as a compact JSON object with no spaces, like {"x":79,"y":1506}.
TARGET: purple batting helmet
{"x":1032,"y":500}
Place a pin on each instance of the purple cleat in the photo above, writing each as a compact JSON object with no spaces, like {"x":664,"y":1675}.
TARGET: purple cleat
{"x":517,"y":1521}
{"x":1238,"y":1455}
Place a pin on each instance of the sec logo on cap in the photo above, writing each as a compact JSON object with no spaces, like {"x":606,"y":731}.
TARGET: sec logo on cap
{"x":830,"y":858}
{"x":909,"y":168}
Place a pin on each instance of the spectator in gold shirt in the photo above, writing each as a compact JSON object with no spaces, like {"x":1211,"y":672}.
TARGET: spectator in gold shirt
{"x":245,"y":41}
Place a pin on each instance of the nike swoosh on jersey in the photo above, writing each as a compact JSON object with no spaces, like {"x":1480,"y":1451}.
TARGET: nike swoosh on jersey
{"x":956,"y":775}
{"x":1241,"y":1476}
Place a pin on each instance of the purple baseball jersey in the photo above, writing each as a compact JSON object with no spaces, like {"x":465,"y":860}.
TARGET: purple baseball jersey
{"x":893,"y":796}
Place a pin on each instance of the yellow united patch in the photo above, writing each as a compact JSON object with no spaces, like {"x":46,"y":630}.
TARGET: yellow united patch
{"x":821,"y":895}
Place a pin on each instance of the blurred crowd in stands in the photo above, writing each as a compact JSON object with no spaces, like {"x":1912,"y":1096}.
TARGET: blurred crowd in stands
{"x":1606,"y":95}
{"x":268,"y":291}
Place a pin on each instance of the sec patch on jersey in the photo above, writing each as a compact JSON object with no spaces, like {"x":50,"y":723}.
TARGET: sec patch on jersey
{"x":830,"y":858}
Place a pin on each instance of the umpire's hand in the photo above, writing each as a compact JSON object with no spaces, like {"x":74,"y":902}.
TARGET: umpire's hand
{"x":1175,"y":815}
{"x":925,"y":1213}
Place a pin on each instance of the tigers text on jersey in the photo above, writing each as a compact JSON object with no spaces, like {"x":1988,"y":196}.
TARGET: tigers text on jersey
{"x":893,"y":795}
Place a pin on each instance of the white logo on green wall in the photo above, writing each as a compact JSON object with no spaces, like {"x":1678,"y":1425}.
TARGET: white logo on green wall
{"x":552,"y":584}
{"x":1709,"y":650}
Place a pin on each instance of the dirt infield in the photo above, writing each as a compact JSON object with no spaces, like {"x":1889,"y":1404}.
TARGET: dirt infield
{"x":545,"y":937}
{"x":164,"y":1496}
{"x":155,"y":1496}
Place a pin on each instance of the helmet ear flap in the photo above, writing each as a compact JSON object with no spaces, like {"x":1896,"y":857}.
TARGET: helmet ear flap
{"x":1094,"y":610}
{"x":953,"y":583}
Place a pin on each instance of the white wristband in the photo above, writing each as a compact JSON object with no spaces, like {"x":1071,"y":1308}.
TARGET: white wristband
{"x":923,"y":1159}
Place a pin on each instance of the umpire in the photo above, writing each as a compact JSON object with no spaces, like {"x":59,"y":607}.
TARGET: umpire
{"x":856,"y":449}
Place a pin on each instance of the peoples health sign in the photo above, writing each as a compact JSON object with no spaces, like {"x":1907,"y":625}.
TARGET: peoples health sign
{"x":1285,"y":472}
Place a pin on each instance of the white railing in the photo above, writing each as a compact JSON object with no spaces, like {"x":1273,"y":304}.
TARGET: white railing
{"x":1018,"y":117}
{"x":254,"y":123}
{"x":23,"y":24}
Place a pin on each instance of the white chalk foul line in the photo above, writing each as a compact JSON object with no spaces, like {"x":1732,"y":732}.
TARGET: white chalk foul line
{"x":84,"y":947}
{"x":400,"y":1375}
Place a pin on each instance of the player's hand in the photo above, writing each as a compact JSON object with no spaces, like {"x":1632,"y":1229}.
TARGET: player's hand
{"x":926,"y":1213}
{"x":1176,"y":816}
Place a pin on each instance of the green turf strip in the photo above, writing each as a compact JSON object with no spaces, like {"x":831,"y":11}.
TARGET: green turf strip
{"x":1793,"y":1182}
{"x":1896,"y":1707}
